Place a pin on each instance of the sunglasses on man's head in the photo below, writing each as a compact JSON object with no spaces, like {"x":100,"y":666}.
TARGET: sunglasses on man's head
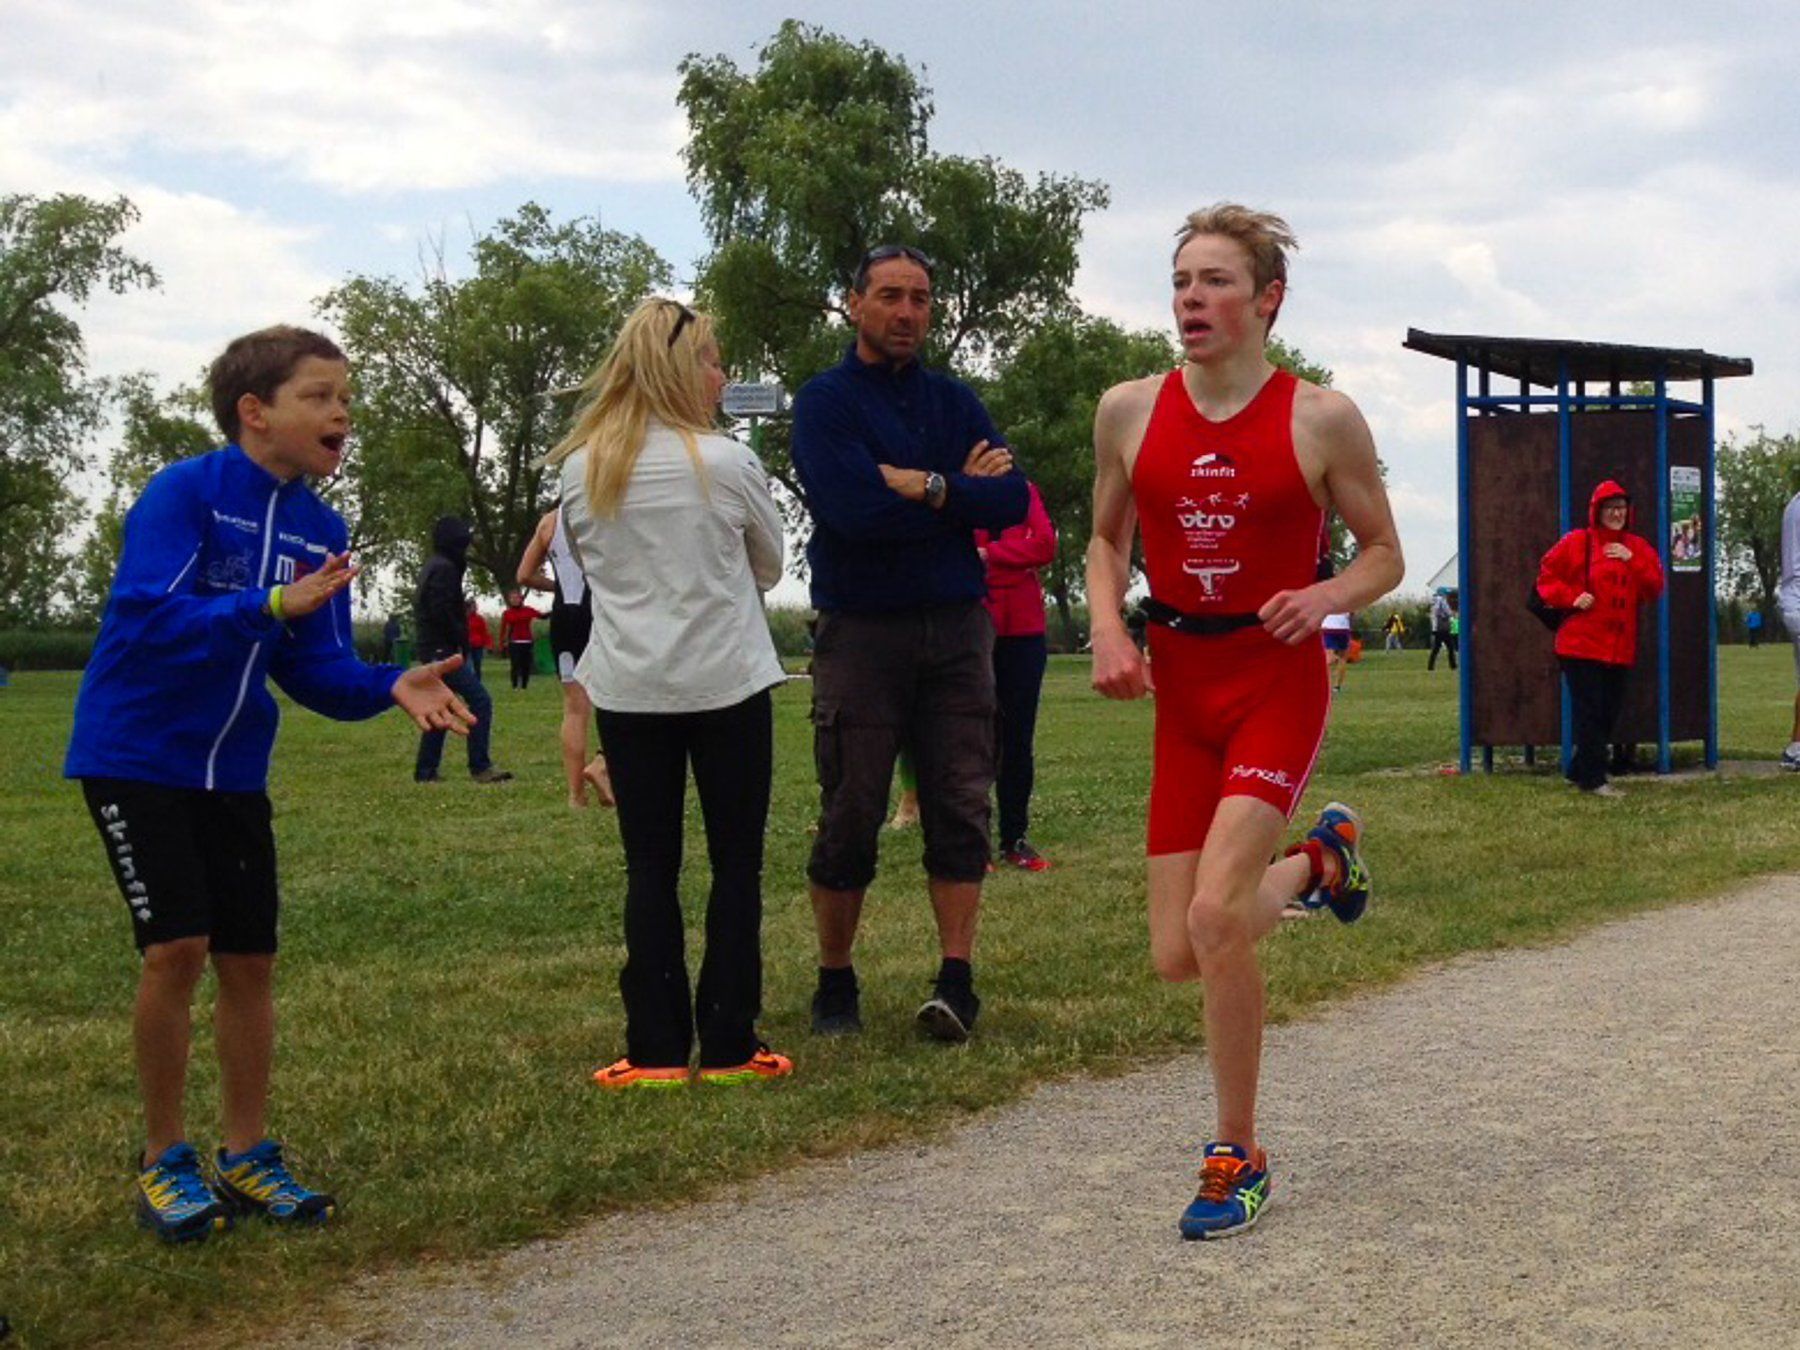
{"x":887,"y":253}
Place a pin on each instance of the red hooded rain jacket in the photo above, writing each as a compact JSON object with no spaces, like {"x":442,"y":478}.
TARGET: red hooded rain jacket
{"x":1606,"y":632}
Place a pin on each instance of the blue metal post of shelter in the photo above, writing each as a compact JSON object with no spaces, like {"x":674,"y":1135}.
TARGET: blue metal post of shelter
{"x":1565,"y":518}
{"x":1463,"y":687}
{"x":1708,"y":488}
{"x":1668,"y":564}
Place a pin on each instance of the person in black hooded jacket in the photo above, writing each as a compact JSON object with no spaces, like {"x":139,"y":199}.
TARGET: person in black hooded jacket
{"x":441,"y":629}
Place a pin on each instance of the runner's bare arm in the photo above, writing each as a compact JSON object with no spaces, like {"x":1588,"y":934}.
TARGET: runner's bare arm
{"x":1120,"y":670}
{"x":1334,"y":441}
{"x":531,"y":563}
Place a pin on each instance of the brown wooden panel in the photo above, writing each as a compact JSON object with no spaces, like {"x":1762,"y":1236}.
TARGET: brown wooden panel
{"x":1513,"y":473}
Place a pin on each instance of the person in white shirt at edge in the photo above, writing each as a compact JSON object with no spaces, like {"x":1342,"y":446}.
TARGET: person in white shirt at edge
{"x":676,"y":533}
{"x":1336,"y":632}
{"x":1787,"y":597}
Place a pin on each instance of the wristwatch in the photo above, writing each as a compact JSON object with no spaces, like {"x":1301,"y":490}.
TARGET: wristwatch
{"x":936,"y":489}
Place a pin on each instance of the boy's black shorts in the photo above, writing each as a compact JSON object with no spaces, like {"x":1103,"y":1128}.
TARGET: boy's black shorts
{"x":190,"y":863}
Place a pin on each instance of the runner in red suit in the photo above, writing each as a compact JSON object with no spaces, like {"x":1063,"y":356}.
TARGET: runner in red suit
{"x":1228,"y":465}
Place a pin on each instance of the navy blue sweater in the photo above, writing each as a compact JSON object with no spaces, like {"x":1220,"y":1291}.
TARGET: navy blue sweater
{"x":871,"y":549}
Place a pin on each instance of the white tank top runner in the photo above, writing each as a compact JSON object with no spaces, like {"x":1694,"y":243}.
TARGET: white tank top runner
{"x":571,"y":582}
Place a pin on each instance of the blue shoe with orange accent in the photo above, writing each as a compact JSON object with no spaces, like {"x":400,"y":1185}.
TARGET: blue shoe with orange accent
{"x":257,"y":1181}
{"x":174,"y":1201}
{"x":1339,"y":829}
{"x":1234,"y":1189}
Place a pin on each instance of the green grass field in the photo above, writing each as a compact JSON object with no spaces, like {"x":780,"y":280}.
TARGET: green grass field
{"x":450,"y":958}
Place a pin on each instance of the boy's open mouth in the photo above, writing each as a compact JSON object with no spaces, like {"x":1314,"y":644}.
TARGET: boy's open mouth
{"x":333,"y":443}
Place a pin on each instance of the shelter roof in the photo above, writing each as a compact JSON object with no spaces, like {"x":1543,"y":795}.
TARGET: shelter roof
{"x":1539,"y":360}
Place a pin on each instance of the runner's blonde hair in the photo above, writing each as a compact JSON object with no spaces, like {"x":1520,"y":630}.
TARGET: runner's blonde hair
{"x":1265,"y":236}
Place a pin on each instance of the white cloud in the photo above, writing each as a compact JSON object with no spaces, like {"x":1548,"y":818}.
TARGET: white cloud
{"x":346,"y":95}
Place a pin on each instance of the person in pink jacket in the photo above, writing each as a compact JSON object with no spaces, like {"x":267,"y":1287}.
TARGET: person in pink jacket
{"x":1600,"y":576}
{"x":1015,"y":600}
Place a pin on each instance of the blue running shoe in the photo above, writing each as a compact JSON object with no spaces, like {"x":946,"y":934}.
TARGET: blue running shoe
{"x":174,"y":1201}
{"x":1340,"y":830}
{"x":257,"y":1181}
{"x":1233,"y":1192}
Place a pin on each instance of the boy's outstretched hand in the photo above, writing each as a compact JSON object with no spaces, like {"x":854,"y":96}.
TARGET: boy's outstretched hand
{"x":302,"y":597}
{"x":424,"y":697}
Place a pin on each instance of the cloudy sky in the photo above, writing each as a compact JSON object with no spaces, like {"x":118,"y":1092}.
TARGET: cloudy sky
{"x":1610,"y":172}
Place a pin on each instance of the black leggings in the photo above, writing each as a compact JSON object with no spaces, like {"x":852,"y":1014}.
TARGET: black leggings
{"x":521,"y":654}
{"x":647,"y":755}
{"x":1445,"y":642}
{"x":1596,"y":694}
{"x":1018,"y":681}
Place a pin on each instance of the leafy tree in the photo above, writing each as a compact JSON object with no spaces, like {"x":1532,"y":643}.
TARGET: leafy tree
{"x":1756,"y":478}
{"x":820,"y":153}
{"x":157,"y":430}
{"x":459,"y":380}
{"x":54,"y":252}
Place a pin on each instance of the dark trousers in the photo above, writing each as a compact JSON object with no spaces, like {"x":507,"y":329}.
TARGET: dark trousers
{"x":469,"y":688}
{"x":732,"y":753}
{"x":1445,"y":642}
{"x":1596,"y":694}
{"x":1018,"y":681}
{"x":475,"y":655}
{"x":520,"y":654}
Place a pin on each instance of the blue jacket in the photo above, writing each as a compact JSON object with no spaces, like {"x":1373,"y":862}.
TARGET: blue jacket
{"x":871,"y":549}
{"x":174,"y":692}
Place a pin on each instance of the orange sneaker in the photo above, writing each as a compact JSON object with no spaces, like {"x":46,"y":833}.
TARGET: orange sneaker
{"x":625,"y":1074}
{"x":765,"y":1063}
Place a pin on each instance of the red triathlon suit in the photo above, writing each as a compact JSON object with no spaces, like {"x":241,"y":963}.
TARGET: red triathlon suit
{"x":1227,"y":521}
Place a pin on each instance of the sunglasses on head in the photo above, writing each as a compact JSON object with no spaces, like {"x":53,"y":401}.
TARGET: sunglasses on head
{"x":887,"y":252}
{"x":686,"y":317}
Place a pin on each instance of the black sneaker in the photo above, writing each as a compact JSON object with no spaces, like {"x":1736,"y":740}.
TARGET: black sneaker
{"x":492,"y":775}
{"x":837,"y":1009}
{"x":949,"y":1014}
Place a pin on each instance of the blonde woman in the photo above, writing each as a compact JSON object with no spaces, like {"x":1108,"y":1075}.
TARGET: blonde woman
{"x":677,"y":534}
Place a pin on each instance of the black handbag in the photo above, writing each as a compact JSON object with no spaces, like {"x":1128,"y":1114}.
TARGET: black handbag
{"x":1548,"y":614}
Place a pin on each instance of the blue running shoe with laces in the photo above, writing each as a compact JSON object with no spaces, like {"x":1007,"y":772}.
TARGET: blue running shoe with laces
{"x":174,"y":1201}
{"x":1234,"y":1188}
{"x":1340,"y":830}
{"x":257,"y":1181}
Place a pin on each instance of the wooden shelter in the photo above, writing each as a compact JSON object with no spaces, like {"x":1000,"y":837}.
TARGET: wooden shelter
{"x":1527,"y":460}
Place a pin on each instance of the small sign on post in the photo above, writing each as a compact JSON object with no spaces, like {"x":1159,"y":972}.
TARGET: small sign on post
{"x":754,"y":400}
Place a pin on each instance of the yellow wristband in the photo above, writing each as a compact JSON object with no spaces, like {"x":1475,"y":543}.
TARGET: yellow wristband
{"x":275,"y":603}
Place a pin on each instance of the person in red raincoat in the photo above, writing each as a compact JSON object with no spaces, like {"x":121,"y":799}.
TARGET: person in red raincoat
{"x":1599,"y":575}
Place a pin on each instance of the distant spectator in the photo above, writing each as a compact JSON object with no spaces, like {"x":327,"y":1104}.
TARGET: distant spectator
{"x":515,"y":622}
{"x":1394,"y":631}
{"x":481,"y":637}
{"x":1753,"y":625}
{"x":1336,"y":632}
{"x":1015,"y":601}
{"x":1443,"y":627}
{"x":441,"y":629}
{"x":390,"y":637}
{"x":1600,"y":575}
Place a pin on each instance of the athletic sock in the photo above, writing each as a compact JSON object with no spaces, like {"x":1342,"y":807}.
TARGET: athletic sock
{"x":955,"y":971}
{"x":837,"y":977}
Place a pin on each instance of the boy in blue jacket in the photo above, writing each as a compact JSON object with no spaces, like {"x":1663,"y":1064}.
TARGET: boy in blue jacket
{"x":232,"y":573}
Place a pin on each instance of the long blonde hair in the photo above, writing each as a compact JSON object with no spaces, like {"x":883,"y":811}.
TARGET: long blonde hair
{"x":652,"y":370}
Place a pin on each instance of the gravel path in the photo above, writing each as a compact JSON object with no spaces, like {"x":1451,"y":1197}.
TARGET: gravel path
{"x":1590,"y":1145}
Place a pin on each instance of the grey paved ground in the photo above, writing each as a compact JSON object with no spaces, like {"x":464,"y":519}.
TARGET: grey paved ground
{"x":1591,"y":1145}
